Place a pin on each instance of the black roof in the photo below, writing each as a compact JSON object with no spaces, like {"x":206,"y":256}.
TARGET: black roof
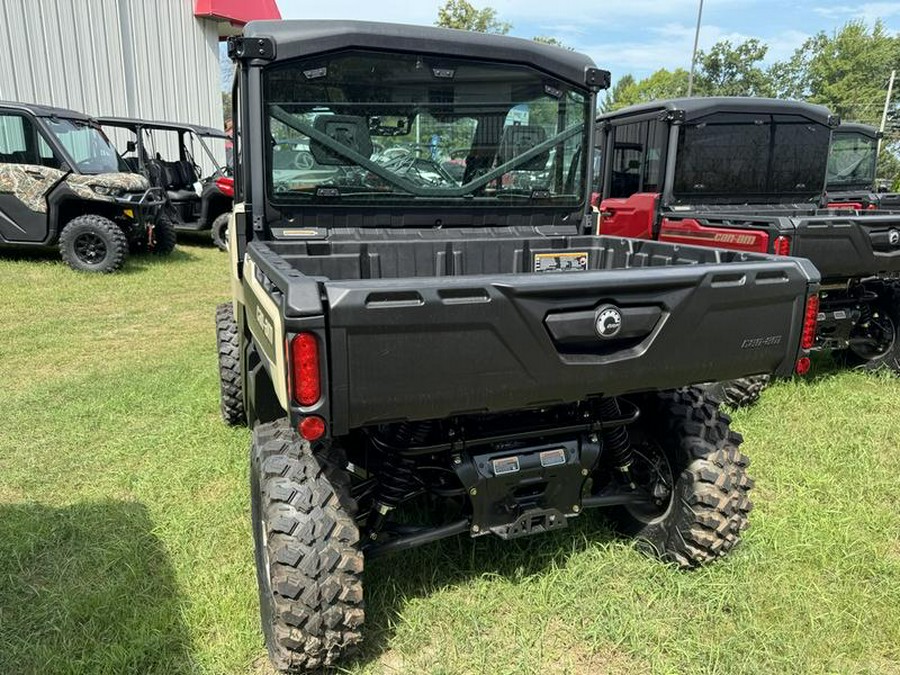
{"x":701,"y":106}
{"x":859,"y":128}
{"x":301,"y":38}
{"x":135,"y":122}
{"x":39,"y":110}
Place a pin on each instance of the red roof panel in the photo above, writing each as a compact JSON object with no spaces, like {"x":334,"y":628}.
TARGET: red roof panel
{"x":237,"y":11}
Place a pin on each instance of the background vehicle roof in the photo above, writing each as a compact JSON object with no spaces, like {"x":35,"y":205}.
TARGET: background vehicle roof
{"x":39,"y":110}
{"x":306,"y":38}
{"x":701,"y":106}
{"x":859,"y":128}
{"x":134,"y":123}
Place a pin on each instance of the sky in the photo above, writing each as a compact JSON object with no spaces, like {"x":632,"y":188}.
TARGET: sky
{"x":633,"y":36}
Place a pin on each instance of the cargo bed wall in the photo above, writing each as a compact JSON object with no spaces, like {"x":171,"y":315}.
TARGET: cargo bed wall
{"x":395,"y":258}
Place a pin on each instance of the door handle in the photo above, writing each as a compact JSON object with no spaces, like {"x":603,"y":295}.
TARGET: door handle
{"x":34,"y":174}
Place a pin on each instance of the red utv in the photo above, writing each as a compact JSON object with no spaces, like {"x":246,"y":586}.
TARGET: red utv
{"x":749,"y":174}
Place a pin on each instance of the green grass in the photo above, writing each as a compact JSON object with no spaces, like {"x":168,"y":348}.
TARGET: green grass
{"x":125,"y":544}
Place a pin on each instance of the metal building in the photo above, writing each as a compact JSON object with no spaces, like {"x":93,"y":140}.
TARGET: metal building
{"x":156,"y":59}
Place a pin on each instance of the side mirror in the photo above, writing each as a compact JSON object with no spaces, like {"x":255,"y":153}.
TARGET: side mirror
{"x":131,"y":146}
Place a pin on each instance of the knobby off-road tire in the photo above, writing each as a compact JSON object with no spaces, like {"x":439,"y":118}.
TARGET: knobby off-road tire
{"x":93,"y":244}
{"x":231,"y":390}
{"x":709,"y":504}
{"x":308,"y":561}
{"x":744,"y":391}
{"x":164,"y":237}
{"x":219,"y":231}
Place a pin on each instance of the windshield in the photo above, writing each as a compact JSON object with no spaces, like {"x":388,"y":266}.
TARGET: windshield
{"x":364,"y":128}
{"x":736,"y":156}
{"x":851,"y":162}
{"x":88,"y":147}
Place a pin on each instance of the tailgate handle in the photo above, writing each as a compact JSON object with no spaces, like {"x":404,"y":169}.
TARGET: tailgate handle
{"x":586,"y":328}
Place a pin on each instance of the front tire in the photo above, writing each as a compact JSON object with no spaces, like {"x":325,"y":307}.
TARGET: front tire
{"x":231,"y":390}
{"x":219,"y":231}
{"x":164,"y":237}
{"x":308,"y":561}
{"x":93,"y":243}
{"x":687,"y":443}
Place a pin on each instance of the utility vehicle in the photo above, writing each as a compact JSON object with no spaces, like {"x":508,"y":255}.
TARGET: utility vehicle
{"x":198,"y":197}
{"x":748,"y":174}
{"x":421,"y":355}
{"x":851,"y":170}
{"x":63,"y":186}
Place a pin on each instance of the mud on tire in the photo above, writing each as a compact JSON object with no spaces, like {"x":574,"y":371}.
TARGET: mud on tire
{"x":231,"y":391}
{"x":93,"y":243}
{"x":709,"y":503}
{"x":308,"y":561}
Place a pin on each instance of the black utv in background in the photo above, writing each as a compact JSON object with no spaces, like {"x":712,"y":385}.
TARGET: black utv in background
{"x":424,"y":353}
{"x":197,"y":199}
{"x":63,"y":186}
{"x":851,"y":170}
{"x":748,"y":174}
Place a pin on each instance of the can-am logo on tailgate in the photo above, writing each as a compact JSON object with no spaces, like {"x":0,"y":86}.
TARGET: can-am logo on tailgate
{"x":608,"y":322}
{"x":893,"y":237}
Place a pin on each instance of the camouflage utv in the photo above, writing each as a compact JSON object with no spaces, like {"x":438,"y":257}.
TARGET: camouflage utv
{"x":63,"y":185}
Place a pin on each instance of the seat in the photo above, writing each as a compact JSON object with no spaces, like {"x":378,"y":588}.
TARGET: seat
{"x":518,"y":139}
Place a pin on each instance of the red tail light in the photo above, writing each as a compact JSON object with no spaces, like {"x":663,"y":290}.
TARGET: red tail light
{"x":809,"y":322}
{"x":782,"y":245}
{"x":311,"y":428}
{"x":305,"y":369}
{"x":225,"y":185}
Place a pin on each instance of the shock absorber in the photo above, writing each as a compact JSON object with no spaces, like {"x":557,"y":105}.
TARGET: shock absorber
{"x":398,"y":481}
{"x":616,"y":441}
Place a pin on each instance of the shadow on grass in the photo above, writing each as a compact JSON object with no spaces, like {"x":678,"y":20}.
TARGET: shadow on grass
{"x":135,"y":262}
{"x":391,"y":582}
{"x":87,"y":589}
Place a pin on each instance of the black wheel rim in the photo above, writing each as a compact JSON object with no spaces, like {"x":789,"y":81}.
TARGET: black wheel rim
{"x":90,"y":248}
{"x":652,"y":471}
{"x":875,"y":338}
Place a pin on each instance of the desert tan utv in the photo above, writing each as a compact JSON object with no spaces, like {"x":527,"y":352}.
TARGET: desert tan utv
{"x":62,"y":185}
{"x":428,"y":341}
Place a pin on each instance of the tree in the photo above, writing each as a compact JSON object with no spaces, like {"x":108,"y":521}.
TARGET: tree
{"x":463,"y":15}
{"x":846,"y":71}
{"x":552,"y":41}
{"x":661,"y":84}
{"x":733,"y":70}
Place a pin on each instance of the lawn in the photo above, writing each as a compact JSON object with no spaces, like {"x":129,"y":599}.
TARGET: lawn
{"x":125,"y":544}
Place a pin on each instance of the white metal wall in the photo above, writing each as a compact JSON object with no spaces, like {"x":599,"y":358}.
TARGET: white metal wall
{"x":135,"y":58}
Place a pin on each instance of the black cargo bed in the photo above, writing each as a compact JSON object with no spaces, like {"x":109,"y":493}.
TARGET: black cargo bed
{"x":423,"y":327}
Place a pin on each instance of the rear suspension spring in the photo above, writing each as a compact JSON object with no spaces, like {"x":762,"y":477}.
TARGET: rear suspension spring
{"x":615,"y":439}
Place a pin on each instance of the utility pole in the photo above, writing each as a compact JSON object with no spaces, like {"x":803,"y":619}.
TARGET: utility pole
{"x":887,"y":105}
{"x":694,"y":53}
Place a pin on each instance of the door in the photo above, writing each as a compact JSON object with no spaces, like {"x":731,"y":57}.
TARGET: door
{"x":28,"y":171}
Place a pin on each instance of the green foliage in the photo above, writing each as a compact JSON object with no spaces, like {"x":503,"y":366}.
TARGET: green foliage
{"x":552,"y":41}
{"x":464,"y":15}
{"x":660,"y":85}
{"x":732,"y":70}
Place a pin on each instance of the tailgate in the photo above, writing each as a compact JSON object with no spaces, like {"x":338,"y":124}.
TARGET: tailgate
{"x":436,"y":347}
{"x":853,"y":246}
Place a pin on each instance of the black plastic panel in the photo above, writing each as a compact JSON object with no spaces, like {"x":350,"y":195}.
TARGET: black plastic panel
{"x":423,"y":328}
